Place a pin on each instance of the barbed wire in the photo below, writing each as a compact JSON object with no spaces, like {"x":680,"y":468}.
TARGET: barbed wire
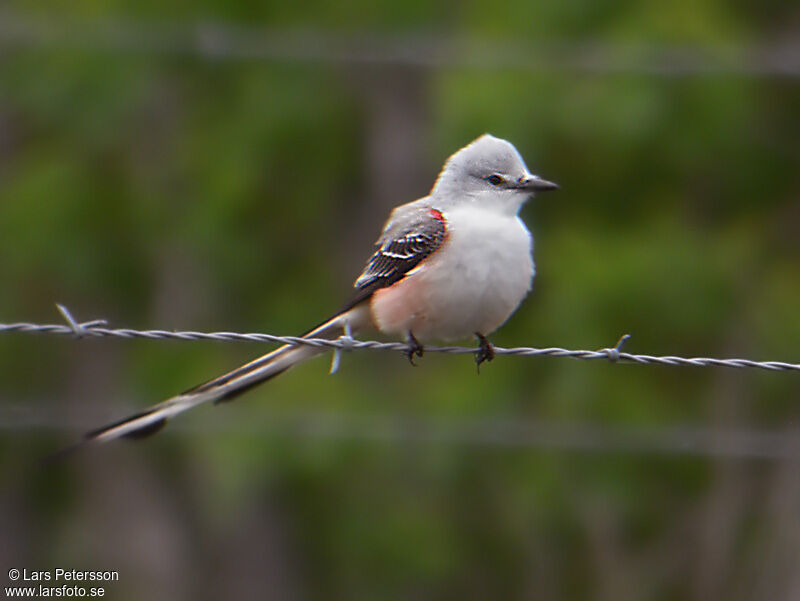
{"x":97,"y":329}
{"x":211,"y":40}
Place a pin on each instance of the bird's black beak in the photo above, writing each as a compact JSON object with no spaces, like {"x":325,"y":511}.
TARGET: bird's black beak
{"x":534,"y":183}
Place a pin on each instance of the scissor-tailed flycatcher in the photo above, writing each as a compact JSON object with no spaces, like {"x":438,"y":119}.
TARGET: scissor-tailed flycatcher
{"x":455,"y":263}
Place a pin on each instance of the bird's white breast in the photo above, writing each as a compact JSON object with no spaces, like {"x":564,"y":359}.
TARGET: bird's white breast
{"x":473,"y":283}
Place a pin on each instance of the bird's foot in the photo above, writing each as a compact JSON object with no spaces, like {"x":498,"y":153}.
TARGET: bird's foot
{"x":485,"y":350}
{"x":414,"y":348}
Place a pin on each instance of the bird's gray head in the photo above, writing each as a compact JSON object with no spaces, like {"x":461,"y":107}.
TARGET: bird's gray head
{"x":488,"y":170}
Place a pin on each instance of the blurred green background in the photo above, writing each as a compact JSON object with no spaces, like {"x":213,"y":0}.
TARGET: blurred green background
{"x":226,"y":166}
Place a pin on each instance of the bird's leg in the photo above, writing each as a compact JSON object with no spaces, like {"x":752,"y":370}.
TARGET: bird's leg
{"x":414,"y":348}
{"x":485,"y":351}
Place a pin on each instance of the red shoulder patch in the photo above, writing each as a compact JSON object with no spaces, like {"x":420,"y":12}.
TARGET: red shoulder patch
{"x":436,"y":214}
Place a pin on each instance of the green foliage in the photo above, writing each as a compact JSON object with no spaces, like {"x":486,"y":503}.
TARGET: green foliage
{"x":170,"y":191}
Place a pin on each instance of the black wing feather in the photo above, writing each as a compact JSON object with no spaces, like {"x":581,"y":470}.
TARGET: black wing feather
{"x":397,"y":255}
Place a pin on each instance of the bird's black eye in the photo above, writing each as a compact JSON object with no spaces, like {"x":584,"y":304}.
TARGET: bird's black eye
{"x":495,"y":179}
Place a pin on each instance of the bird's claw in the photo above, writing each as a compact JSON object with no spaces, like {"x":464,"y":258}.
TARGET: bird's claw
{"x":414,"y":348}
{"x":485,"y":351}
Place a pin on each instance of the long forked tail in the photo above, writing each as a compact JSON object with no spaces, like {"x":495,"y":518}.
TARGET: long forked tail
{"x":227,"y":386}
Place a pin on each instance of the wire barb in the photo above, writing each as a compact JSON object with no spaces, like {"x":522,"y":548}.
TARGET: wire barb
{"x":346,"y":342}
{"x":79,"y":329}
{"x":612,"y":354}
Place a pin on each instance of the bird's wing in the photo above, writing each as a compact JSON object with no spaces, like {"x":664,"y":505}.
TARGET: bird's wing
{"x":412,"y":233}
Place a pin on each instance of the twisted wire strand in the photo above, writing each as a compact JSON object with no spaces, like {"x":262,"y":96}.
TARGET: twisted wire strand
{"x":98,"y":329}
